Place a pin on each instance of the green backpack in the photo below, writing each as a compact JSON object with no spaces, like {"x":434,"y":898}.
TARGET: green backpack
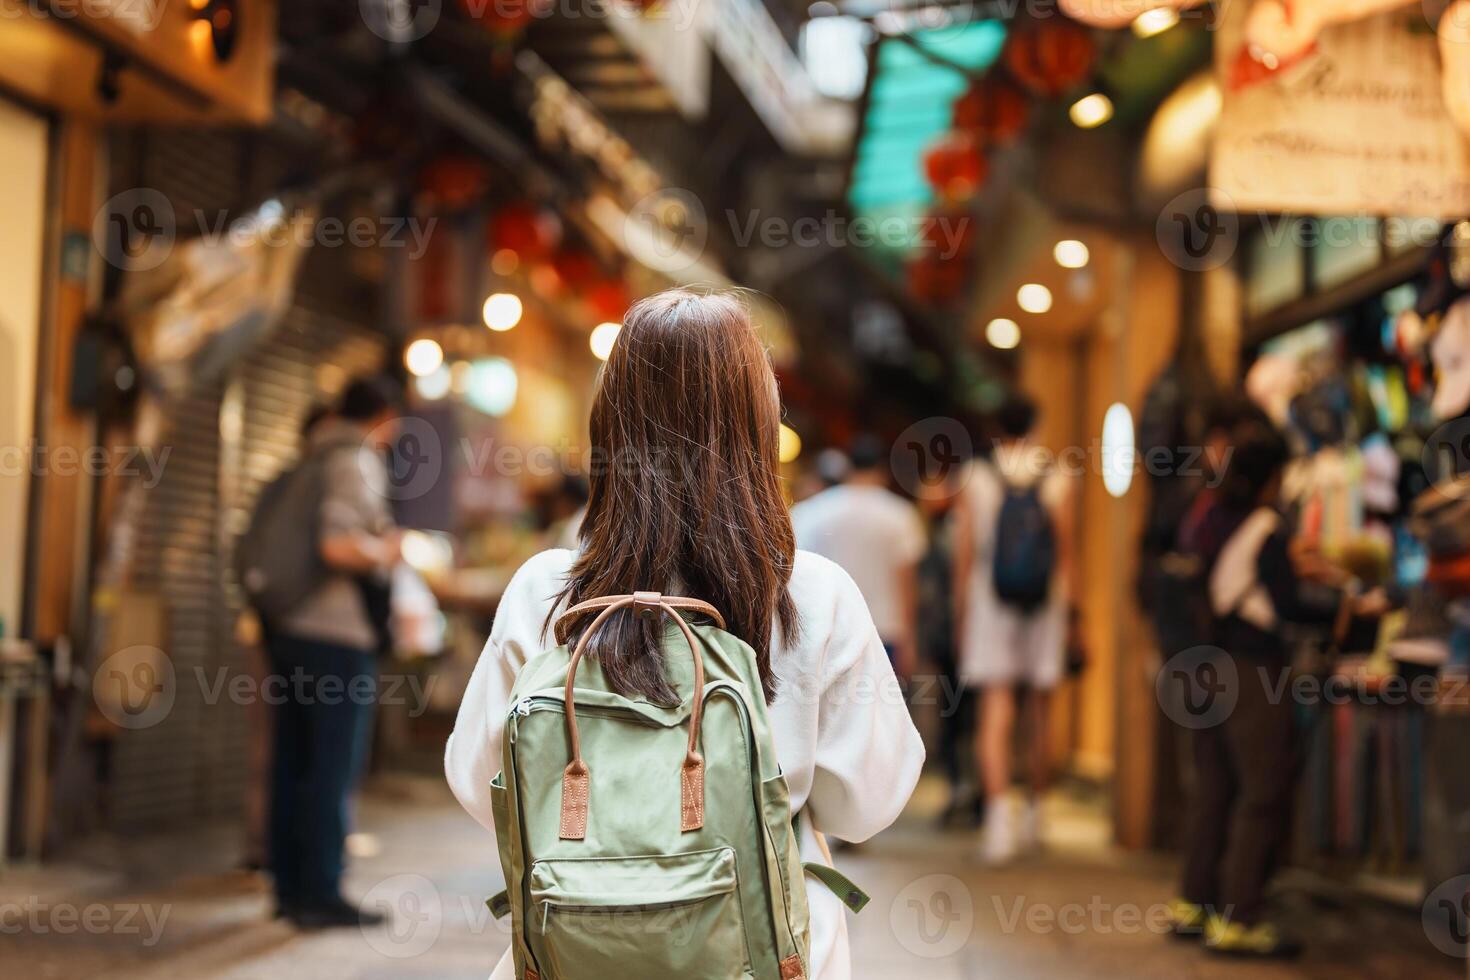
{"x":640,"y":841}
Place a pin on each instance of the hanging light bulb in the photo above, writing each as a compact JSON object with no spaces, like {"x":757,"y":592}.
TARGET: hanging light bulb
{"x":1034,"y":298}
{"x":502,"y":311}
{"x":1003,"y":333}
{"x":1091,"y":111}
{"x":423,"y":357}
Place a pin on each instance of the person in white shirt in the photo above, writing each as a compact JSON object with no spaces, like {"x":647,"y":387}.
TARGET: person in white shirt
{"x":1004,"y":644}
{"x":878,"y":538}
{"x":689,"y":501}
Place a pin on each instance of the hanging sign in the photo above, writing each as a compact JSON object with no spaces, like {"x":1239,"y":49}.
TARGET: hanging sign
{"x":1356,"y":125}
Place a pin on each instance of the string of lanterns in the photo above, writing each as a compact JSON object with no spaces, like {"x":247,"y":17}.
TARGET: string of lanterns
{"x":1042,"y":59}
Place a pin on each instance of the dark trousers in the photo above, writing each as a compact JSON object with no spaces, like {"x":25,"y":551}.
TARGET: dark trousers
{"x":324,"y":696}
{"x":1240,"y":813}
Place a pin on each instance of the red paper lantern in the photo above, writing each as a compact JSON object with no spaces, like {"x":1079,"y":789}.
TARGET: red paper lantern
{"x":993,"y":111}
{"x":454,"y":181}
{"x":526,"y":230}
{"x":955,"y":166}
{"x":609,"y":300}
{"x":1052,"y":56}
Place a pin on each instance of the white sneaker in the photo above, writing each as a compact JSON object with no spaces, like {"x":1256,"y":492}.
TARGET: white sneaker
{"x":998,"y":836}
{"x":1028,"y":838}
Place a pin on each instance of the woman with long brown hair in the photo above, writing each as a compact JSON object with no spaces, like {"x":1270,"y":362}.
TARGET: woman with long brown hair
{"x":686,"y":498}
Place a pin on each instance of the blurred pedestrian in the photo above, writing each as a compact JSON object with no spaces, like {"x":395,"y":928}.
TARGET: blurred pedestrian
{"x":875,"y":536}
{"x":1244,"y":761}
{"x":956,"y":702}
{"x":323,"y":654}
{"x":1013,"y":560}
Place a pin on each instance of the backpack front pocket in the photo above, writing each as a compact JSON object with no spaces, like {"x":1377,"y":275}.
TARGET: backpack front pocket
{"x":633,"y":918}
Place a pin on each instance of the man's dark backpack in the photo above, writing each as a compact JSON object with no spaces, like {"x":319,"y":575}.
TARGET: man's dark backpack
{"x":1025,"y":553}
{"x":277,"y":560}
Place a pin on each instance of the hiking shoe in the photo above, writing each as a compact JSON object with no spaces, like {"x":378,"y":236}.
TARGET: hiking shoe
{"x":1262,"y":940}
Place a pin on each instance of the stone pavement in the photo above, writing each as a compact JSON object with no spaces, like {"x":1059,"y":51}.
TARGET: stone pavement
{"x":170,"y":907}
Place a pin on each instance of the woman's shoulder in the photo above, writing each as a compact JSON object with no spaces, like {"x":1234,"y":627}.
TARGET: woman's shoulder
{"x":535,"y":585}
{"x":818,"y":582}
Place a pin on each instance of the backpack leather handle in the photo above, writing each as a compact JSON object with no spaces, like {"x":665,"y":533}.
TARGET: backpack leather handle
{"x":576,"y":780}
{"x":564,"y":621}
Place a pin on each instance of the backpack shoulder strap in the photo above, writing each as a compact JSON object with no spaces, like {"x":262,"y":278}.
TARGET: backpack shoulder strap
{"x":564,"y":621}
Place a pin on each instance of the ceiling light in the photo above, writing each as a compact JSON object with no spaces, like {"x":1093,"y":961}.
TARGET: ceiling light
{"x":1117,"y":449}
{"x":604,"y":335}
{"x":1071,"y":254}
{"x":423,"y":357}
{"x":502,"y":311}
{"x":1155,"y":21}
{"x":1034,"y":298}
{"x":1091,"y":111}
{"x":1003,"y":333}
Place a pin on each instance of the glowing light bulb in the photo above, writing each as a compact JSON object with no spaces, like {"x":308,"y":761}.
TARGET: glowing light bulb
{"x":1034,"y":298}
{"x":502,"y":311}
{"x":1003,"y":333}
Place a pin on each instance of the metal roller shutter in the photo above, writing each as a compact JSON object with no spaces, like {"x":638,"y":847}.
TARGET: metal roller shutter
{"x":191,"y":765}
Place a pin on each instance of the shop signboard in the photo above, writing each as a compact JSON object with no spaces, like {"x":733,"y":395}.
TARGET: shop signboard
{"x":1357,"y":126}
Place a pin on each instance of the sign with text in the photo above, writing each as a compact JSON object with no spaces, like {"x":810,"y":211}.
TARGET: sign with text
{"x":1356,"y":126}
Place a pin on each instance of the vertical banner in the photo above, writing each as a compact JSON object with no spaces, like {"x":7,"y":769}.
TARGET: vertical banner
{"x":1356,"y":126}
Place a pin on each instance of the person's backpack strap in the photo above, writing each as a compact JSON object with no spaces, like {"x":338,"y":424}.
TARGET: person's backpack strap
{"x":564,"y":621}
{"x":499,"y":904}
{"x":847,"y":893}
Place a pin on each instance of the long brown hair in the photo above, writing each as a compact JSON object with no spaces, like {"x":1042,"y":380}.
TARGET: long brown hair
{"x":685,"y":489}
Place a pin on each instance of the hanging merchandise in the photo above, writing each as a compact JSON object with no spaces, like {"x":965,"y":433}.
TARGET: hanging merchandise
{"x":1450,"y":349}
{"x":993,"y":110}
{"x":528,"y":231}
{"x":955,"y":166}
{"x":1051,"y":56}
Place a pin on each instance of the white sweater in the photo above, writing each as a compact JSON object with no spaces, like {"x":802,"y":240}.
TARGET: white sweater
{"x":849,"y":750}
